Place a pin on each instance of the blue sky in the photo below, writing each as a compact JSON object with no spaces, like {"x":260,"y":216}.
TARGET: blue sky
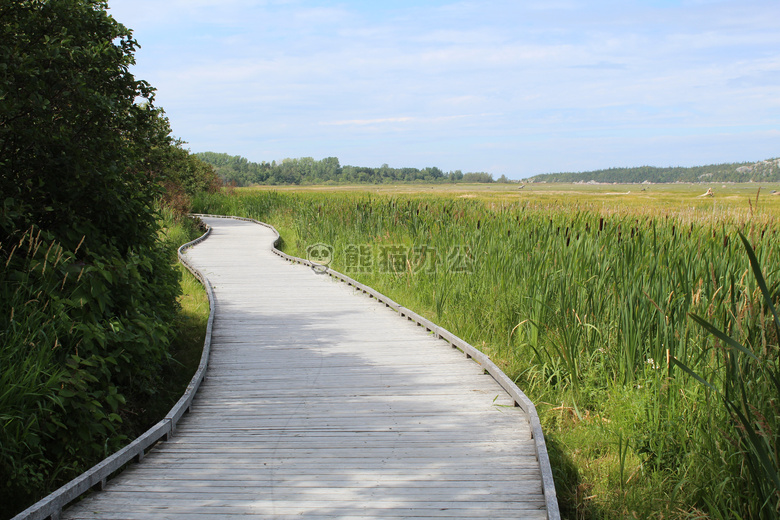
{"x":508,"y":87}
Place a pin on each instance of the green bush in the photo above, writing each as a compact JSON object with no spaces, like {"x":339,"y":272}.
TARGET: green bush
{"x":87,"y":289}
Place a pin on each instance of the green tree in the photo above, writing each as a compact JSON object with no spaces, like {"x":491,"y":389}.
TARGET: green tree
{"x":478,"y":177}
{"x":180,"y":173}
{"x":72,"y":136}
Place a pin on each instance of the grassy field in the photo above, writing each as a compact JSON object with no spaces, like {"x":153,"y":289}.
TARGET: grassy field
{"x":680,"y":195}
{"x":734,"y":201}
{"x":588,"y":296}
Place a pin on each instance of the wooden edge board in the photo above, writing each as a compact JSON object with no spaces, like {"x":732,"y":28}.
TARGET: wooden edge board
{"x":521,"y":400}
{"x":51,"y":506}
{"x":96,"y":477}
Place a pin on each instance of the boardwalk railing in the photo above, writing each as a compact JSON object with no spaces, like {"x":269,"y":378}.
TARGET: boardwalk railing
{"x":96,"y":477}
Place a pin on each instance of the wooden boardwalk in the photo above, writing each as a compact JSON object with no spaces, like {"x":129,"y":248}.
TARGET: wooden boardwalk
{"x":321,"y":403}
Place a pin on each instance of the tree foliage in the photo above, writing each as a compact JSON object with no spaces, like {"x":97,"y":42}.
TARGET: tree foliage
{"x":87,"y":289}
{"x":241,"y":172}
{"x":180,"y":173}
{"x":71,"y":133}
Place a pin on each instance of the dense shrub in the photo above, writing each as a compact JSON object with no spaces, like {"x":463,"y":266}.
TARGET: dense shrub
{"x":87,"y":290}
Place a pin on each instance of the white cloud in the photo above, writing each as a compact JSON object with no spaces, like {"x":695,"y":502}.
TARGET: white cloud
{"x":364,"y":122}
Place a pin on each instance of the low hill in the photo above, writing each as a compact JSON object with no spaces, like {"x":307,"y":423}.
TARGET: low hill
{"x":762,"y":171}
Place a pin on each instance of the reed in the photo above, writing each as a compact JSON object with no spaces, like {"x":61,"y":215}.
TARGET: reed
{"x":745,"y":378}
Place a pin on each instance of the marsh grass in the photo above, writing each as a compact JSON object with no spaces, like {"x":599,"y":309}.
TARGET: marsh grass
{"x":185,"y":350}
{"x":746,"y":380}
{"x":585,"y":305}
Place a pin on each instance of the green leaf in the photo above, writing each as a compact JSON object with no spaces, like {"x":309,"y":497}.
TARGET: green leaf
{"x":760,"y":279}
{"x":693,"y":374}
{"x":769,"y":466}
{"x":731,"y":342}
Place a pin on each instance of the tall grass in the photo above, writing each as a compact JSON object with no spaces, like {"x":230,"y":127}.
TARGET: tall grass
{"x":586,"y":308}
{"x":746,"y":380}
{"x":29,"y":377}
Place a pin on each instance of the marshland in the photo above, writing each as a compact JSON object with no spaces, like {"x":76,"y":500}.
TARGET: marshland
{"x":641,"y":322}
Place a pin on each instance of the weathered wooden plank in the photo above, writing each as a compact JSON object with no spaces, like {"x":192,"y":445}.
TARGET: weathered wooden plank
{"x":344,"y":477}
{"x":452,"y":429}
{"x":297,"y":435}
{"x":301,"y":504}
{"x":186,"y":469}
{"x":316,"y":514}
{"x":282,"y":490}
{"x":377,"y":495}
{"x":226,"y":456}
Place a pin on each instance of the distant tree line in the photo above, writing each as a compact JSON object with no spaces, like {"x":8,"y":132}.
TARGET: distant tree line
{"x":766,"y":171}
{"x":237,"y":170}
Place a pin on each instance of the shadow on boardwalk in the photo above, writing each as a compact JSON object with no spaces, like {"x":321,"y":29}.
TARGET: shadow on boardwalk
{"x":321,"y":403}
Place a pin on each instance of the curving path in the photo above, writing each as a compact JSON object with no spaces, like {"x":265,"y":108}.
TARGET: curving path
{"x":321,"y":403}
